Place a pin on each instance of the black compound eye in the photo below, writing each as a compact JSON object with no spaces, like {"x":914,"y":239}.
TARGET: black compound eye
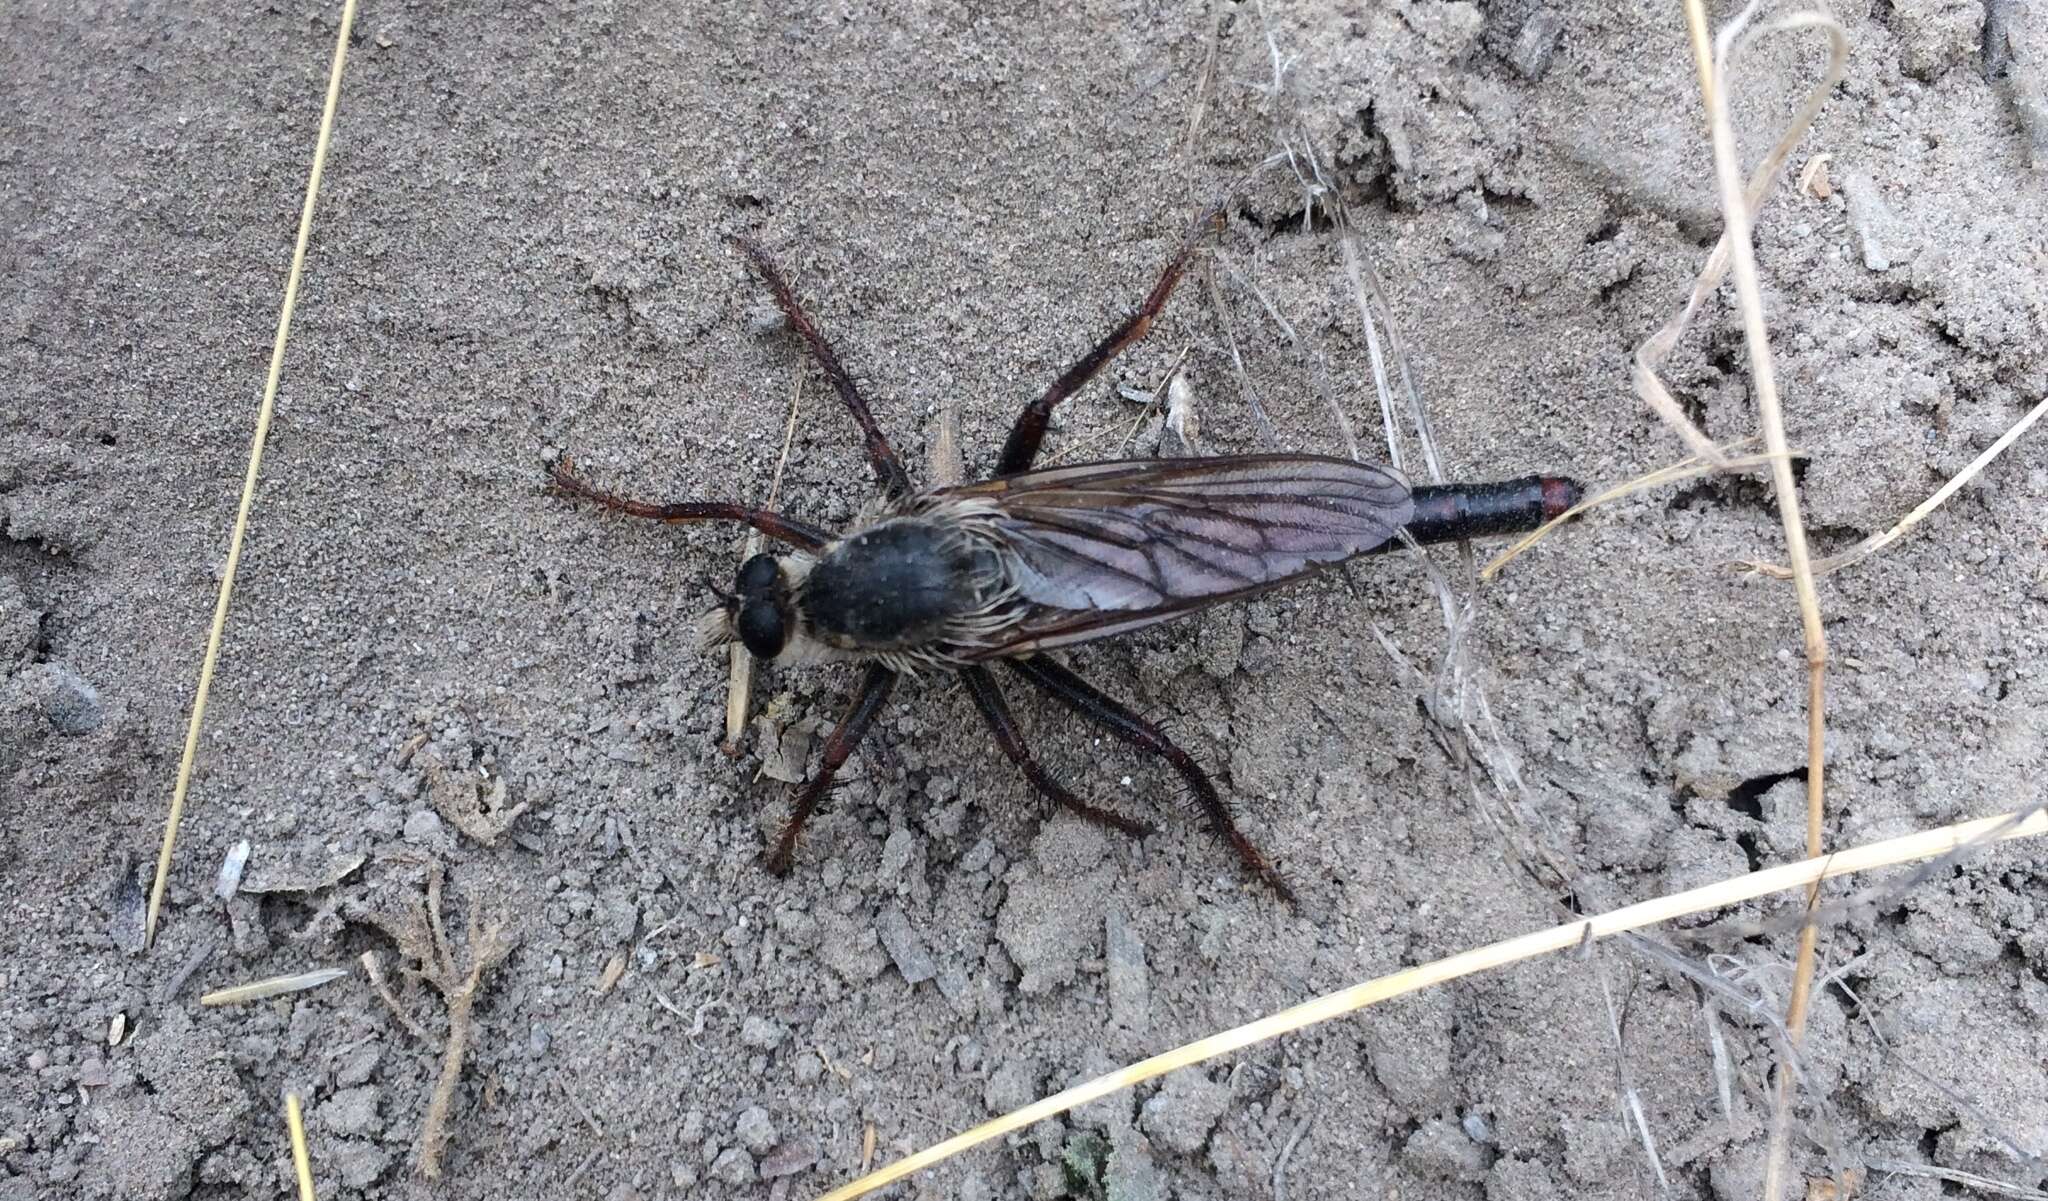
{"x":760,"y":626}
{"x":758,"y":575}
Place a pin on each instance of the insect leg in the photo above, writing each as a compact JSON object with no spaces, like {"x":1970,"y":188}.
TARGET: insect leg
{"x":888,"y":467}
{"x":1021,"y":448}
{"x":1088,"y":701}
{"x":989,"y":699}
{"x":874,"y":692}
{"x":784,"y":529}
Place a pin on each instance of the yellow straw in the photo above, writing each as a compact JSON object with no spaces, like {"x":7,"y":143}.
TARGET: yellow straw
{"x":1924,"y":845}
{"x":227,"y":580}
{"x":295,"y":1122}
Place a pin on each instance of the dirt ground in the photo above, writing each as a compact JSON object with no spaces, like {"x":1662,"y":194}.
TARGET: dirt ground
{"x":519,"y":253}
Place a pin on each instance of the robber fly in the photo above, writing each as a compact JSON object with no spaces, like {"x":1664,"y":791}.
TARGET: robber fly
{"x":1028,"y":561}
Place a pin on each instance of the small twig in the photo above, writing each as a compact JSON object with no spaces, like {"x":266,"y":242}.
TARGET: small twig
{"x":374,"y":969}
{"x":193,"y":962}
{"x":444,"y":959}
{"x":420,"y":933}
{"x":577,"y":1102}
{"x":569,"y":1186}
{"x":1286,"y":1152}
{"x":1983,"y":1184}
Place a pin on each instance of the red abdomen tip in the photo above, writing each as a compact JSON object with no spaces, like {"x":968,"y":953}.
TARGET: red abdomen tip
{"x":1560,"y":494}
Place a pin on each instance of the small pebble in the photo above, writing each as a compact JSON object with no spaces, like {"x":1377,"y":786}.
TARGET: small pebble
{"x":755,"y":1131}
{"x":1013,"y":1085}
{"x":423,"y":825}
{"x":788,"y":1159}
{"x":1184,"y":1110}
{"x":762,"y":1033}
{"x":897,"y":853}
{"x":1536,"y":43}
{"x":733,"y":1166}
{"x":71,"y":705}
{"x":906,"y":949}
{"x":1440,"y":1150}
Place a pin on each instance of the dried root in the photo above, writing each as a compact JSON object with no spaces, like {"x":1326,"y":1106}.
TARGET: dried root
{"x":421,"y":934}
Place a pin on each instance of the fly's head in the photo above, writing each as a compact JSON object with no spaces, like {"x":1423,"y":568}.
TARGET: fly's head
{"x":760,"y":611}
{"x":762,"y":616}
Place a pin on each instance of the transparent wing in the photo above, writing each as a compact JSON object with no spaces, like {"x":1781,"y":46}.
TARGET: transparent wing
{"x":1105,"y":548}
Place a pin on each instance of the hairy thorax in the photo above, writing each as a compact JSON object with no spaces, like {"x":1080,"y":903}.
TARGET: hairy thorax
{"x":918,"y":585}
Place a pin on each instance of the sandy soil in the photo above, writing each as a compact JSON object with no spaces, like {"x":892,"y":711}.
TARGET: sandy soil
{"x":519,"y":253}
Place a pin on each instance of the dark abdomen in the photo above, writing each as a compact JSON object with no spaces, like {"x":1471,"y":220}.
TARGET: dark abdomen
{"x":891,"y":585}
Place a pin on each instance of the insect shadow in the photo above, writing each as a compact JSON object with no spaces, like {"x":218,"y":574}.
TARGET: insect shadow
{"x":1003,"y":570}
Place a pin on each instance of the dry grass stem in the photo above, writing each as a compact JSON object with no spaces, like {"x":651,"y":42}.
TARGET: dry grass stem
{"x":944,"y":464}
{"x":1205,"y":84}
{"x":256,"y":442}
{"x":274,"y":986}
{"x":1738,"y":206}
{"x":1877,"y":542}
{"x":1228,"y":262}
{"x":1970,"y":1180}
{"x":1287,"y":1152}
{"x":1631,"y":1099}
{"x":302,"y":1163}
{"x":739,"y":683}
{"x":1244,"y":379}
{"x":1720,"y":463}
{"x":1652,"y":353}
{"x":739,"y":680}
{"x":1567,"y":936}
{"x":193,"y":962}
{"x":1964,"y":1105}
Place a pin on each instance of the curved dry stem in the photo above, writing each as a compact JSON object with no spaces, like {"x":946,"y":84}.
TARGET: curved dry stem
{"x":1737,"y":208}
{"x":1684,"y":469}
{"x":1651,"y":354}
{"x":1877,"y":542}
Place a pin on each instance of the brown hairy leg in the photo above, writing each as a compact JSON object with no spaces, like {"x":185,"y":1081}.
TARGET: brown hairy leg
{"x":867,"y":703}
{"x":1020,"y":450}
{"x":1088,"y":701}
